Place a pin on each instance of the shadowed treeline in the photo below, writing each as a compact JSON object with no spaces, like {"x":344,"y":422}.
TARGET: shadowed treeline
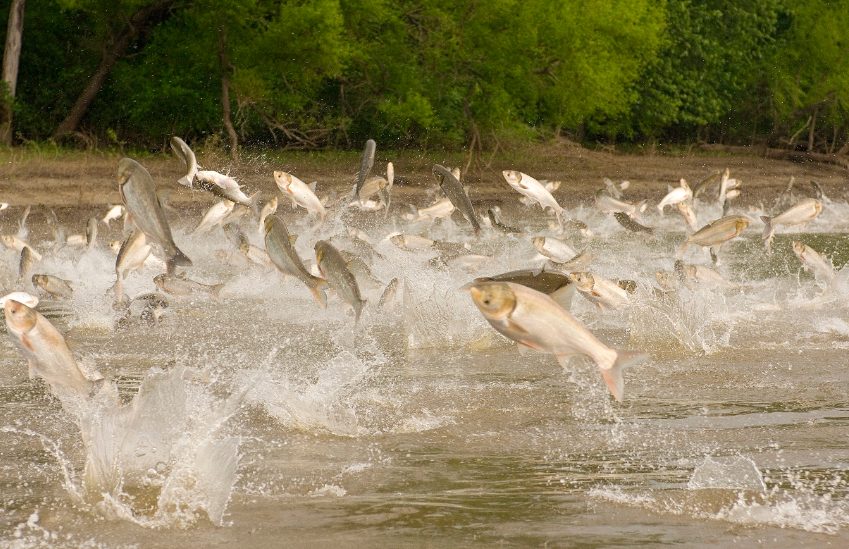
{"x":317,"y":74}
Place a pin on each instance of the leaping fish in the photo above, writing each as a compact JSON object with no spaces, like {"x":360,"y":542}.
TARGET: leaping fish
{"x":533,"y":189}
{"x":605,"y":203}
{"x":679,"y":194}
{"x":366,"y":162}
{"x":534,"y":320}
{"x":714,"y":234}
{"x":45,"y":349}
{"x":187,"y":155}
{"x":299,"y":193}
{"x":145,"y":211}
{"x":812,"y":261}
{"x":798,"y":214}
{"x":454,"y":191}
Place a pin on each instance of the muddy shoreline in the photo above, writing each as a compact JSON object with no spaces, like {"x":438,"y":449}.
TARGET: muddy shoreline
{"x":84,"y":179}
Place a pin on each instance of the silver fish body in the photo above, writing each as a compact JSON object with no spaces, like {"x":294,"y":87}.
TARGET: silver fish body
{"x":53,"y":285}
{"x":214,"y":216}
{"x":606,"y":294}
{"x":558,"y":286}
{"x":366,"y":163}
{"x":281,"y":250}
{"x":553,"y":248}
{"x":185,"y":153}
{"x":453,"y":189}
{"x":26,"y":265}
{"x":533,"y":189}
{"x":716,"y":233}
{"x":143,"y":207}
{"x":269,"y":208}
{"x":534,"y":320}
{"x":132,"y":255}
{"x":180,"y":286}
{"x":224,"y":186}
{"x":605,"y":203}
{"x":628,"y":222}
{"x":334,"y":269}
{"x":45,"y":349}
{"x":299,"y":193}
{"x":798,"y":214}
{"x":812,"y":261}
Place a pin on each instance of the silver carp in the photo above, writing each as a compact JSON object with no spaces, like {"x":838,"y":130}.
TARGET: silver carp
{"x":187,"y":155}
{"x":145,"y":211}
{"x":366,"y":162}
{"x":281,"y":249}
{"x":45,"y":349}
{"x":53,"y":285}
{"x":798,"y":214}
{"x":334,"y":269}
{"x":534,"y":320}
{"x":453,"y":189}
{"x":716,"y":233}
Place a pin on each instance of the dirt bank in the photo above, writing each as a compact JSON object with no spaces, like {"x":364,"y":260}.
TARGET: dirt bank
{"x":80,"y":179}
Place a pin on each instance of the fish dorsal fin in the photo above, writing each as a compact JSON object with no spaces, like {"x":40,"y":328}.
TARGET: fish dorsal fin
{"x":312,"y":185}
{"x":292,"y":239}
{"x":68,"y":282}
{"x":669,"y":188}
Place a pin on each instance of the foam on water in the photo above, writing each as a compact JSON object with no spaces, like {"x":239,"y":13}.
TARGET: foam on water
{"x":159,"y":460}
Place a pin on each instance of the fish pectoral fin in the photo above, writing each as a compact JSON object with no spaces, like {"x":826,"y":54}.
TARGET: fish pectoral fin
{"x":514,"y":326}
{"x":26,"y":342}
{"x":292,"y":239}
{"x":524,"y":349}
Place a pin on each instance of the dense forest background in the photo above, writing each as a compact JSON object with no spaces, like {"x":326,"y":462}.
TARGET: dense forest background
{"x":318,"y":74}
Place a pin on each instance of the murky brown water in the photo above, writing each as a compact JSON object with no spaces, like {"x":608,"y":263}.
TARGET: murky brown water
{"x":424,"y":427}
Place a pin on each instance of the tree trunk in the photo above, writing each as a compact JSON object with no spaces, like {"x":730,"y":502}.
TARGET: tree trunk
{"x":226,"y":67}
{"x":135,"y":27}
{"x":11,"y":57}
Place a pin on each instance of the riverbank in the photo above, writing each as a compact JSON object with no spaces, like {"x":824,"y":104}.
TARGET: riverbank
{"x":67,"y":178}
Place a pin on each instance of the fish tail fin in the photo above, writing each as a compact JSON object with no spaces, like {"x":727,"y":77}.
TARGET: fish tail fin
{"x":186,"y":181}
{"x":95,"y":387}
{"x":683,"y":249}
{"x":178,"y":259}
{"x":638,"y":211}
{"x":769,"y":229}
{"x":613,"y":375}
{"x":358,"y":311}
{"x":318,"y":291}
{"x":216,"y":289}
{"x":253,"y":201}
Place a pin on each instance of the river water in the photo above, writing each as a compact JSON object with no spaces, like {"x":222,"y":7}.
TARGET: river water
{"x":261,"y":420}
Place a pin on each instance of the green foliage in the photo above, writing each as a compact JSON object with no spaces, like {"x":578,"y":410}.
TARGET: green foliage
{"x":323,"y":73}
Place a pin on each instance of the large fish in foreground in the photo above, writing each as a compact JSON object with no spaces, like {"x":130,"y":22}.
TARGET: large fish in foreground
{"x":532,"y":319}
{"x":453,"y":189}
{"x":45,"y":349}
{"x":281,"y":249}
{"x":145,"y":211}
